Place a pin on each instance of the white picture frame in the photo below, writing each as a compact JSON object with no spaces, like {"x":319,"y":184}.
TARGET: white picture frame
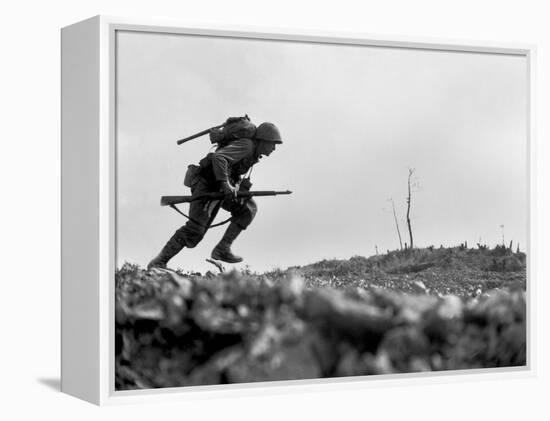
{"x":89,"y":196}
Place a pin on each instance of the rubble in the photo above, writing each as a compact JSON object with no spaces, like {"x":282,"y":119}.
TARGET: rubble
{"x":183,"y":330}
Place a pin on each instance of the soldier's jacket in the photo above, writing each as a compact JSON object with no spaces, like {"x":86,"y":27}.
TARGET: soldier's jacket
{"x":229,"y":162}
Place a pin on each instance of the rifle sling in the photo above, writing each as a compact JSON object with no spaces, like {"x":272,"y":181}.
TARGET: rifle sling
{"x":197,"y":222}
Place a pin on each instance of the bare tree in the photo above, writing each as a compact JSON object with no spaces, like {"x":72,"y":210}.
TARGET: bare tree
{"x":396,"y":223}
{"x":411,"y":172}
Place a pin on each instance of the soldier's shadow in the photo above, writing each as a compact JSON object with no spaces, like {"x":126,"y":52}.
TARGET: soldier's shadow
{"x":51,"y":382}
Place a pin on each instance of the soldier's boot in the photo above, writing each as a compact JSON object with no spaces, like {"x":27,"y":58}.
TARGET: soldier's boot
{"x":222,"y":251}
{"x":172,"y":247}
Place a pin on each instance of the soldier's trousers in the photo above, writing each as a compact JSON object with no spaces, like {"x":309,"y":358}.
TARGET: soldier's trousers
{"x":203,"y":212}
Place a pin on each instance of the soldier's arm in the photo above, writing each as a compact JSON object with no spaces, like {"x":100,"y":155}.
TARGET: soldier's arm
{"x":223,"y":158}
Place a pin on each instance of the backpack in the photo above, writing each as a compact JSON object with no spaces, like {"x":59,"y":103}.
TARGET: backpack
{"x":234,"y":128}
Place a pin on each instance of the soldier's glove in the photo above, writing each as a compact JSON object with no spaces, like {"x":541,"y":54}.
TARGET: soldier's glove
{"x":245,"y":184}
{"x":229,"y":190}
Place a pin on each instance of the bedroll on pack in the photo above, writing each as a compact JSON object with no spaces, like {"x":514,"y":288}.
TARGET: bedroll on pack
{"x":233,"y":128}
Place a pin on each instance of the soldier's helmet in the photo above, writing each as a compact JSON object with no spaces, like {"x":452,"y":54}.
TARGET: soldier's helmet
{"x":268,"y":132}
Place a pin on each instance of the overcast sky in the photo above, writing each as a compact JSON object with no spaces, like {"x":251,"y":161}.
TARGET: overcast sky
{"x":353,"y":119}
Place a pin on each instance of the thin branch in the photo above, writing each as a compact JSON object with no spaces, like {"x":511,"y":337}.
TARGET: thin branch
{"x":409,"y":200}
{"x":396,"y":224}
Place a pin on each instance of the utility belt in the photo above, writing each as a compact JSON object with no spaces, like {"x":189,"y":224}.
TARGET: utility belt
{"x":195,"y":172}
{"x":205,"y":171}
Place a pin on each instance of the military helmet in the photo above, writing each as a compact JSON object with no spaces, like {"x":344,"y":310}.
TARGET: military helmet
{"x":268,"y":132}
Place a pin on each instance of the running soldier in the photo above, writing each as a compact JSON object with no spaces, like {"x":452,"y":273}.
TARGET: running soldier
{"x":223,"y":170}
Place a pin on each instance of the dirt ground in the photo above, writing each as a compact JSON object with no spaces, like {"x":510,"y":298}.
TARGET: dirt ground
{"x":425,"y":310}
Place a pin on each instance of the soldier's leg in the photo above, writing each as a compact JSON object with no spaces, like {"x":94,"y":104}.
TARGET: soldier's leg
{"x":188,"y":235}
{"x":242,"y":216}
{"x":170,"y":249}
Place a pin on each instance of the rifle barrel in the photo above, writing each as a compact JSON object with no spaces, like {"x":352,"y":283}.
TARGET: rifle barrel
{"x":199,"y":134}
{"x":174,"y":200}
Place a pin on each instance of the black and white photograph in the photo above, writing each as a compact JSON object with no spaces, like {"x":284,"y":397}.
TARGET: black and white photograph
{"x":296,"y":210}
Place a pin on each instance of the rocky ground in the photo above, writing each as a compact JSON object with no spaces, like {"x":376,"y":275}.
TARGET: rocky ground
{"x":421,"y":310}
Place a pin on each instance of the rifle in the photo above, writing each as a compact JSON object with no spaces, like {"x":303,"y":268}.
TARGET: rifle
{"x":174,"y":200}
{"x":199,"y":134}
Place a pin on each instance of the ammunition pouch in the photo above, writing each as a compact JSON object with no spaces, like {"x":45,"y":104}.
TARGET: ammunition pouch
{"x":192,"y":175}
